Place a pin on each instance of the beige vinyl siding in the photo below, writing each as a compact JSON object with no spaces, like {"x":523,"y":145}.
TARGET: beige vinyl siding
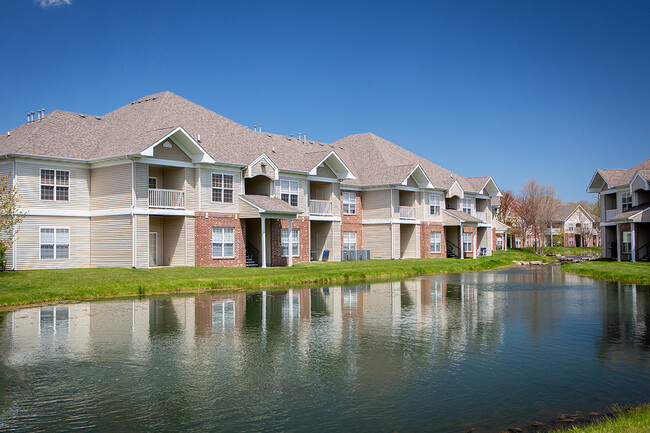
{"x":396,"y":241}
{"x":248,"y":211}
{"x":28,"y":253}
{"x":156,"y":225}
{"x":189,"y":247}
{"x":409,"y":235}
{"x":376,"y":238}
{"x":336,"y":200}
{"x":376,"y":204}
{"x":110,"y":187}
{"x":206,"y":190}
{"x":336,"y":242}
{"x":426,"y":214}
{"x":173,"y":153}
{"x":325,"y":171}
{"x":638,"y":184}
{"x":303,"y":190}
{"x":29,"y":185}
{"x":191,"y":192}
{"x":141,"y":185}
{"x":395,"y":204}
{"x":267,"y":170}
{"x":110,"y":241}
{"x":173,"y":242}
{"x":5,"y":168}
{"x":142,"y":241}
{"x":411,"y":182}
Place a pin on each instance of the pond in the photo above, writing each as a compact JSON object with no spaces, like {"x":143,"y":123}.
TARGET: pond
{"x":446,"y":353}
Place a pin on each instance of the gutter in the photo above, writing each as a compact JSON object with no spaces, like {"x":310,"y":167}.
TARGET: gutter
{"x":133,"y":230}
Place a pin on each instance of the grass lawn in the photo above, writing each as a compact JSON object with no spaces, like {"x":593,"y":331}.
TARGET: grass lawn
{"x":607,"y":269}
{"x":570,"y":251}
{"x":632,"y":420}
{"x":28,"y":287}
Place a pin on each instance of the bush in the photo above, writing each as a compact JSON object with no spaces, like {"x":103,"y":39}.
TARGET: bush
{"x":3,"y":257}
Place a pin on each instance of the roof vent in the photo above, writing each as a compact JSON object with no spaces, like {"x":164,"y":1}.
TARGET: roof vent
{"x":8,"y":133}
{"x":82,"y":116}
{"x":98,"y":118}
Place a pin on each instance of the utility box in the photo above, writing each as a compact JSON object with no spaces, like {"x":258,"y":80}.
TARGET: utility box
{"x":355,"y":255}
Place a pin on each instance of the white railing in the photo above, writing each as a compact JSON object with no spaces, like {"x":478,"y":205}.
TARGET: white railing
{"x":609,"y":214}
{"x":167,"y":198}
{"x":482,"y":216}
{"x":407,"y":212}
{"x":320,"y":207}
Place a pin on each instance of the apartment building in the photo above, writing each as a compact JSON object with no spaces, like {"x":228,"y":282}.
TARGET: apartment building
{"x":624,"y":196}
{"x":162,"y":181}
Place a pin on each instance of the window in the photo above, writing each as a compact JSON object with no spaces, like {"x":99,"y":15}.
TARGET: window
{"x":295,"y":242}
{"x":518,"y":242}
{"x":223,"y":242}
{"x":499,"y":241}
{"x":571,"y":241}
{"x":55,"y":243}
{"x":222,"y":187}
{"x":627,"y":242}
{"x":434,"y":204}
{"x":467,"y":205}
{"x":289,"y":191}
{"x":586,"y":226}
{"x":349,"y":203}
{"x":55,"y":184}
{"x":626,"y":201}
{"x":349,"y":240}
{"x":467,"y":242}
{"x":153,"y":183}
{"x":571,"y":227}
{"x":435,"y":242}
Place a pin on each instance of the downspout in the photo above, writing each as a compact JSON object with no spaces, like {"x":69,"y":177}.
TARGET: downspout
{"x":198,"y":168}
{"x":133,"y":230}
{"x":14,"y":183}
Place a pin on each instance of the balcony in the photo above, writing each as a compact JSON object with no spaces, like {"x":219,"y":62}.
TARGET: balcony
{"x":406,"y":213}
{"x":320,"y":207}
{"x":609,"y":214}
{"x":166,"y":199}
{"x":482,"y":216}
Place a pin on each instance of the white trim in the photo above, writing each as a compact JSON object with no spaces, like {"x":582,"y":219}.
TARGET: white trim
{"x":428,"y":183}
{"x":271,"y":163}
{"x":223,"y":243}
{"x":223,"y":188}
{"x":166,"y":162}
{"x":201,"y":156}
{"x":109,"y":212}
{"x":343,"y":193}
{"x":324,"y":218}
{"x":291,"y":242}
{"x":407,"y":188}
{"x":149,"y":249}
{"x":54,"y":185}
{"x":347,"y":175}
{"x":110,"y":163}
{"x":592,"y":189}
{"x":55,"y":243}
{"x":322,"y":179}
{"x":638,"y":174}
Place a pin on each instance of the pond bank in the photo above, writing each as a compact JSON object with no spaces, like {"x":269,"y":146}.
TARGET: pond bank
{"x":20,"y":288}
{"x":610,"y":270}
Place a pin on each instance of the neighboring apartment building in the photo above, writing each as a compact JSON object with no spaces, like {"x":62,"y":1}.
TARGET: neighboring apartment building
{"x":163,"y":181}
{"x":576,"y":226}
{"x":624,"y":211}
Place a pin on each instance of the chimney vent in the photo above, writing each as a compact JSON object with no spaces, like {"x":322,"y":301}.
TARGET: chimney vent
{"x":27,"y":117}
{"x":260,"y":125}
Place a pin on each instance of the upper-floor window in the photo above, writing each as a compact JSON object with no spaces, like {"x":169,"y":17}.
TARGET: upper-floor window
{"x":434,"y":242}
{"x":586,"y":226}
{"x":295,"y":242}
{"x":223,"y":242}
{"x":153,"y":183}
{"x":54,"y":243}
{"x":222,"y":187}
{"x":626,"y":201}
{"x":289,"y":191}
{"x":466,"y":204}
{"x":349,"y":240}
{"x":571,"y":227}
{"x":434,"y":204}
{"x":349,"y":203}
{"x":55,"y":184}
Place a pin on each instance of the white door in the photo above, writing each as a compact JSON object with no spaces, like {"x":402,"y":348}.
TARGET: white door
{"x":153,"y":249}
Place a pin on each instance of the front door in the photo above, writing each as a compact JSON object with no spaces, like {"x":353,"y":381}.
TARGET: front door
{"x":153,"y":249}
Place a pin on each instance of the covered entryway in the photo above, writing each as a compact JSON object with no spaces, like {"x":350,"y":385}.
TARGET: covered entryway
{"x":322,"y":240}
{"x":170,"y":240}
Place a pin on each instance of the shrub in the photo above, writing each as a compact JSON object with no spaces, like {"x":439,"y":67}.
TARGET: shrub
{"x":3,"y":257}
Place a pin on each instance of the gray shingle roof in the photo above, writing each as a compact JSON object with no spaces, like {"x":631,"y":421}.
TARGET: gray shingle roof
{"x":615,"y":177}
{"x":631,"y":211}
{"x":270,"y":204}
{"x":463,"y":216}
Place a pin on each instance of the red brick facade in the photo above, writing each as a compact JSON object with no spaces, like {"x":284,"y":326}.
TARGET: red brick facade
{"x":352,"y":223}
{"x":425,"y":240}
{"x":203,"y":239}
{"x":302,"y":224}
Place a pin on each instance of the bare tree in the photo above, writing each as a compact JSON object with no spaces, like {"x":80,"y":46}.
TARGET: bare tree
{"x":536,"y":207}
{"x":10,"y":216}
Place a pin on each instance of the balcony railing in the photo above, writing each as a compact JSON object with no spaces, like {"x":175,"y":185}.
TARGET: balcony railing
{"x":407,"y":212}
{"x":609,"y":214}
{"x":482,"y":216}
{"x":166,"y":199}
{"x":320,"y":207}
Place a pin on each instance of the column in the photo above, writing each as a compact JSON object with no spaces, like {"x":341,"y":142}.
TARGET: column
{"x":460,"y":244}
{"x":505,"y":240}
{"x":618,"y":242}
{"x":263,"y":242}
{"x":474,"y":230}
{"x":290,"y":262}
{"x":633,"y":241}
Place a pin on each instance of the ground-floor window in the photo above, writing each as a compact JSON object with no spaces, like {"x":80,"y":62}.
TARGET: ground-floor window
{"x":518,"y":242}
{"x":349,"y":240}
{"x":499,"y":242}
{"x":571,"y":242}
{"x":434,"y":242}
{"x":627,"y":242}
{"x":55,"y":243}
{"x":467,"y":242}
{"x":223,"y":242}
{"x":295,"y":242}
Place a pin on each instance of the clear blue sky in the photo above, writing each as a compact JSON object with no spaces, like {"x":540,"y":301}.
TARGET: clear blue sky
{"x":511,"y":89}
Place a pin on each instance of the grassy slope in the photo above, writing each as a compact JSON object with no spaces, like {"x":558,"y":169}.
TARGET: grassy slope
{"x":25,"y":287}
{"x":634,"y":420}
{"x":569,"y":251}
{"x":624,"y":272}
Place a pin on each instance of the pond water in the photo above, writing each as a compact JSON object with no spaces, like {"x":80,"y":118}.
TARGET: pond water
{"x":488,"y":350}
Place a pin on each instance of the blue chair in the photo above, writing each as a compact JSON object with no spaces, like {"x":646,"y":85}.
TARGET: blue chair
{"x":326,"y":254}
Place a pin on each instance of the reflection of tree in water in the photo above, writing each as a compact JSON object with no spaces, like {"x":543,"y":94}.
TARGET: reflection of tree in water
{"x":626,"y":321}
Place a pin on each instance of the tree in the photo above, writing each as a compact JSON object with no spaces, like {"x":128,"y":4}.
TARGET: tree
{"x":10,"y":216}
{"x":536,"y":206}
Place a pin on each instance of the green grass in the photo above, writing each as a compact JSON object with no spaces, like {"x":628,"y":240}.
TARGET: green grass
{"x":606,"y":269}
{"x":630,"y":420}
{"x":29,"y":287}
{"x":569,"y":251}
